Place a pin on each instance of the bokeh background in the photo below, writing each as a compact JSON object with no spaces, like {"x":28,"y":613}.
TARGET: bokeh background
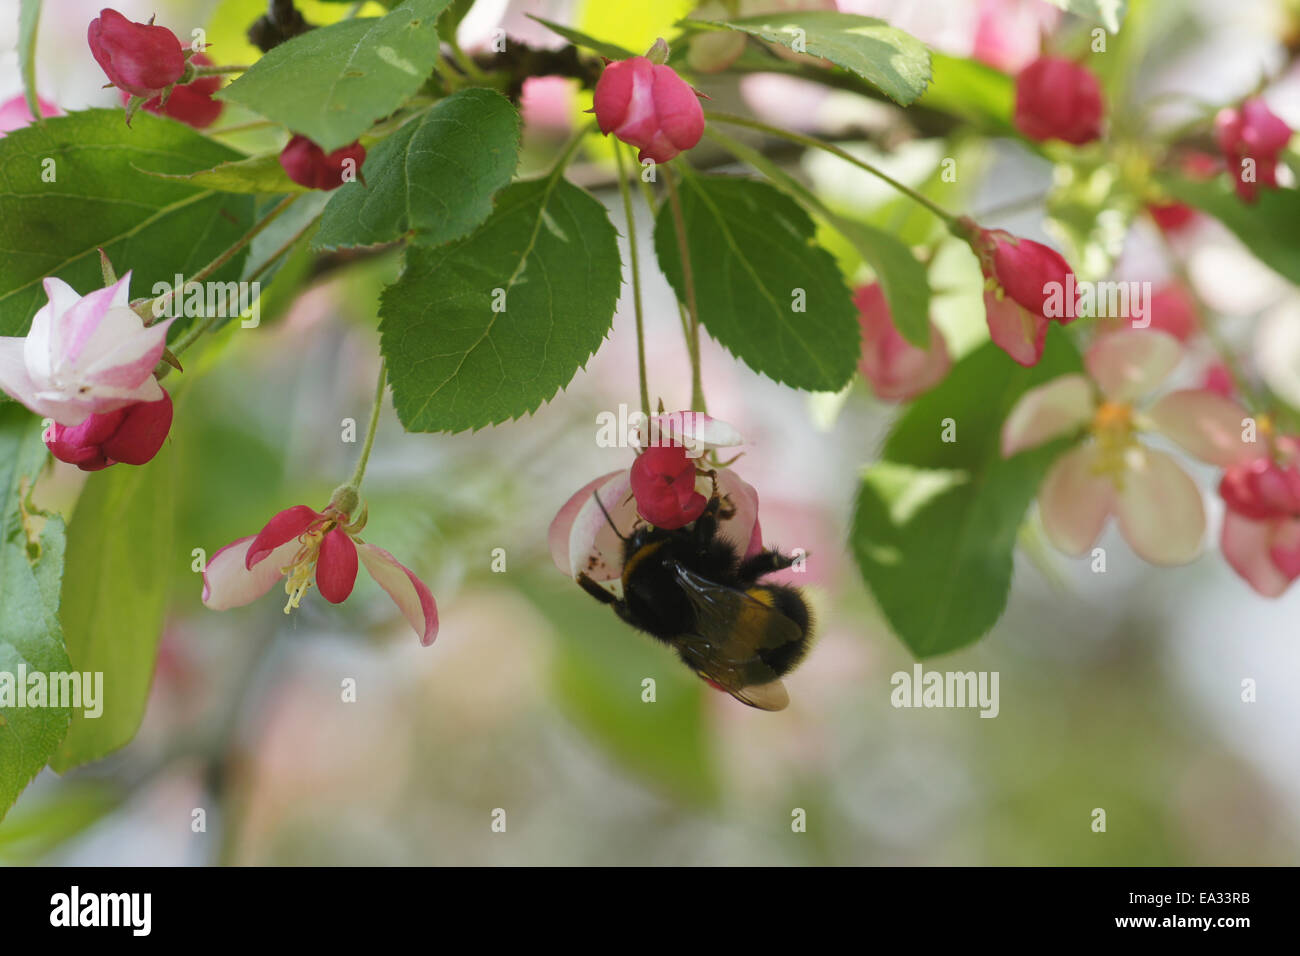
{"x":1120,"y":690}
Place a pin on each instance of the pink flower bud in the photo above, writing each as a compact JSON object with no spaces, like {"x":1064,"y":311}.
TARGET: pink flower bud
{"x":130,"y":435}
{"x":308,"y":165}
{"x":1173,"y":310}
{"x":137,"y":57}
{"x":14,"y":113}
{"x":1023,"y":279}
{"x":1058,"y":99}
{"x":1218,"y":379}
{"x":663,"y":483}
{"x":1261,"y":489}
{"x":896,"y":369}
{"x":1253,"y":133}
{"x":192,"y":103}
{"x":647,"y":105}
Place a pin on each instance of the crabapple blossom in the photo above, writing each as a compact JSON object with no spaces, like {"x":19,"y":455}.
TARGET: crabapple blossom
{"x":130,"y":435}
{"x":647,"y":105}
{"x":1111,"y":472}
{"x":140,"y":58}
{"x":1058,"y":99}
{"x":303,"y":545}
{"x":1019,"y":275}
{"x":1261,"y":525}
{"x":1251,"y":132}
{"x":84,"y":355}
{"x":895,"y":368}
{"x":309,"y":165}
{"x":191,"y":103}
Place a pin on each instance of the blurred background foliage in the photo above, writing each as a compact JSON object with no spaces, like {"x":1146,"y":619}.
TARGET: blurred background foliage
{"x":1119,"y":691}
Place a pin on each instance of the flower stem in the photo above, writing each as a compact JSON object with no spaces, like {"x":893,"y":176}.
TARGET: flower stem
{"x":813,"y":141}
{"x":360,"y":472}
{"x":626,"y":191}
{"x":196,"y":331}
{"x":159,"y":304}
{"x":688,"y":280}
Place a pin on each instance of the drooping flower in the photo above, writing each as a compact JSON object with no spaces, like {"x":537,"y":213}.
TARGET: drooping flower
{"x":1158,"y":507}
{"x":583,"y":540}
{"x":647,"y":105}
{"x":141,"y":58}
{"x":896,"y":369}
{"x":303,"y":546}
{"x":15,"y":114}
{"x":1251,"y":137}
{"x":191,"y":103}
{"x":85,"y":355}
{"x":1058,"y":99}
{"x":1261,"y":525}
{"x":1021,"y":278}
{"x":309,"y":165}
{"x":130,"y":435}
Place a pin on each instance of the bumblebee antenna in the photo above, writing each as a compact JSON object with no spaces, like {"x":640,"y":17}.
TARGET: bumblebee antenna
{"x":600,"y":504}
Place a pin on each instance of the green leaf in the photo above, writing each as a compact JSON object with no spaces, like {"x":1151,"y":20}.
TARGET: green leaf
{"x":99,"y":198}
{"x":751,"y":253}
{"x":332,"y":83}
{"x":902,"y":278}
{"x":435,"y":177}
{"x":115,"y":597}
{"x":35,"y":829}
{"x":548,"y":260}
{"x":972,"y":91}
{"x":597,"y":667}
{"x":1269,"y":227}
{"x":1109,"y":13}
{"x":30,"y":639}
{"x":29,"y":18}
{"x":895,"y":62}
{"x":254,"y":175}
{"x":611,"y":50}
{"x":935,"y":524}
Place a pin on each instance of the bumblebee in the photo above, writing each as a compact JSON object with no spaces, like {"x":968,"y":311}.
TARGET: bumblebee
{"x":691,"y":589}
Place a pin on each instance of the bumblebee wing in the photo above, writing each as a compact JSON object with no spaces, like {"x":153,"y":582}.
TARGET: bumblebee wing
{"x":731,"y":628}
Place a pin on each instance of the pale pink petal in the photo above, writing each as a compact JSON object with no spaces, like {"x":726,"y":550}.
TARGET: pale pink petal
{"x":1245,"y":545}
{"x":1160,"y":510}
{"x":595,"y":548}
{"x":696,"y":430}
{"x":412,"y":597}
{"x":741,"y":529}
{"x":227,"y":582}
{"x":1014,"y":329}
{"x":1132,"y":362}
{"x":1285,"y":549}
{"x":1047,"y":412}
{"x":1209,"y":426}
{"x":1075,"y":501}
{"x":557,"y":536}
{"x":122,"y":352}
{"x":14,"y":380}
{"x":39,"y":348}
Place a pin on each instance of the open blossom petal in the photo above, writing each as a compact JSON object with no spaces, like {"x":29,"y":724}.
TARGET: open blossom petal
{"x":1284,"y":549}
{"x":558,"y":535}
{"x":1247,"y":546}
{"x":1075,"y":501}
{"x":695,"y":430}
{"x":1160,"y":511}
{"x":1209,"y":426}
{"x":336,"y":567}
{"x":288,"y":525}
{"x":1014,"y":329}
{"x":412,"y":597}
{"x":1049,"y":411}
{"x":594,"y":545}
{"x":228,"y":582}
{"x":1131,"y":363}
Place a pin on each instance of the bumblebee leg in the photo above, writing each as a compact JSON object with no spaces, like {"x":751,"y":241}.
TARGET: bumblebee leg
{"x":765,"y":562}
{"x":706,"y":525}
{"x":595,"y":590}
